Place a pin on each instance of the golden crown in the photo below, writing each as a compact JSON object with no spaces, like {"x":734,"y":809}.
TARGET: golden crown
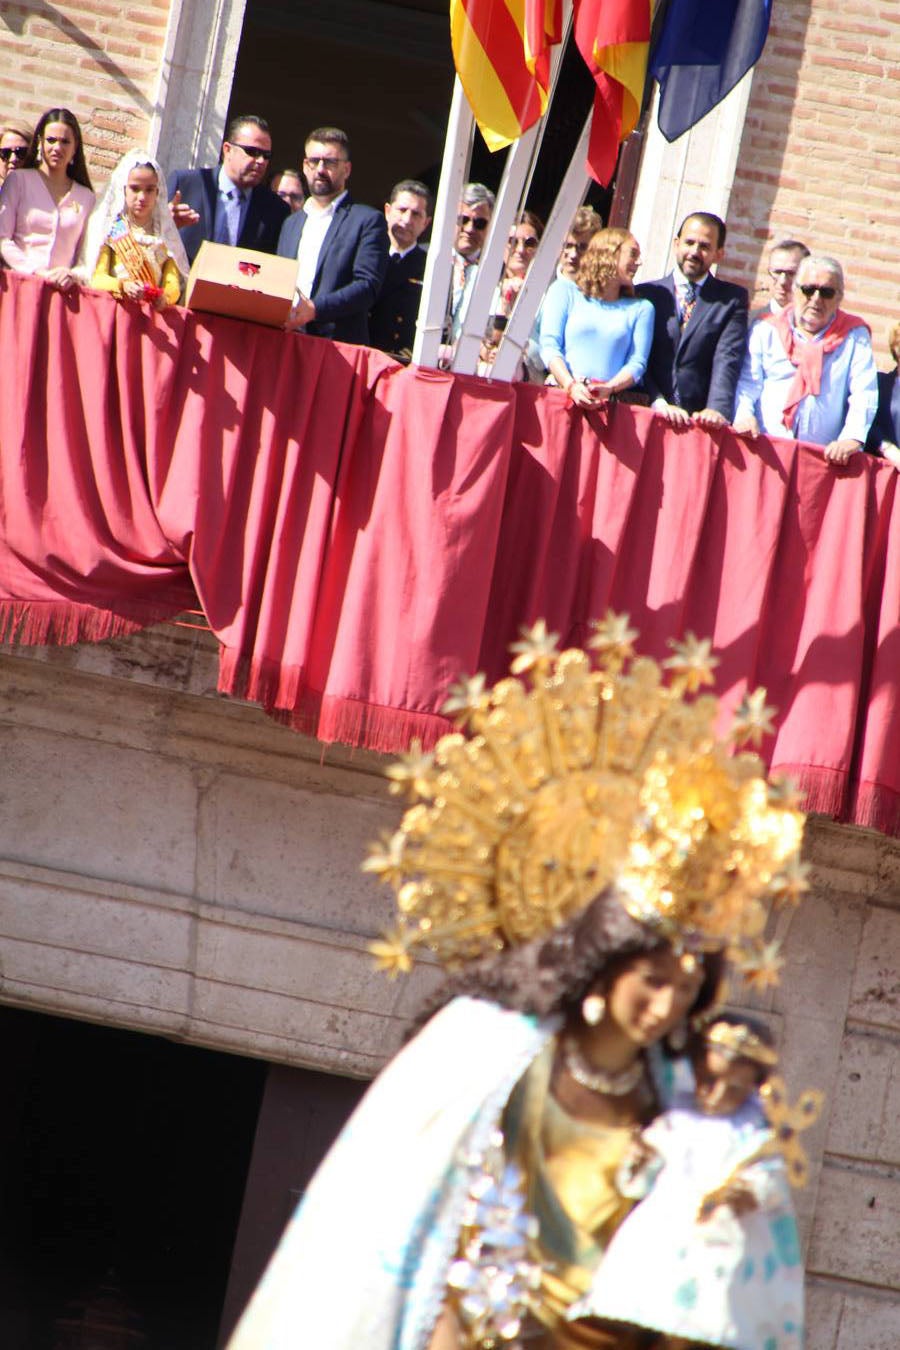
{"x":740,"y":1042}
{"x":580,"y":774}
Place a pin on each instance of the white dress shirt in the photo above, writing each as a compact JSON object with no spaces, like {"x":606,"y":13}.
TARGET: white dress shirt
{"x":843,"y":409}
{"x":318,"y":221}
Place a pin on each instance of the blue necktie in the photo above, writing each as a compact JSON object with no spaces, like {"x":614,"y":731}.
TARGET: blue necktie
{"x":230,"y":224}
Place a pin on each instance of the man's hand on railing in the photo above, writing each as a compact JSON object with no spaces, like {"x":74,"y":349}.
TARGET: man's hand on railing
{"x":840,"y":452}
{"x":746,"y":425}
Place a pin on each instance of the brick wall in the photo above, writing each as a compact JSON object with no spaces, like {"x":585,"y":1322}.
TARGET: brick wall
{"x":92,"y":56}
{"x":818,"y":157}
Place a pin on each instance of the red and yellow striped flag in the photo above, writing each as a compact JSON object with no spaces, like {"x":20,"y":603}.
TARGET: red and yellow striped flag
{"x":501,"y":49}
{"x":613,"y":36}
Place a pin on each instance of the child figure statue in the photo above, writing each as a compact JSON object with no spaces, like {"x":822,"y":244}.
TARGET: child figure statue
{"x":710,"y":1256}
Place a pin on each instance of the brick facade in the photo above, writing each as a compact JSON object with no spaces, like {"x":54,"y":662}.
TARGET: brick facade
{"x":818,"y":154}
{"x":90,"y":56}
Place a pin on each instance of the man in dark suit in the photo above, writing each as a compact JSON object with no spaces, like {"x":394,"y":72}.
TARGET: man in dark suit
{"x":229,"y":205}
{"x":341,"y":247}
{"x":700,"y":332}
{"x":392,"y":322}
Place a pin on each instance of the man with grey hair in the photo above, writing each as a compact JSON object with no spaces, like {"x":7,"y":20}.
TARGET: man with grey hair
{"x":476,"y":206}
{"x":809,"y":372}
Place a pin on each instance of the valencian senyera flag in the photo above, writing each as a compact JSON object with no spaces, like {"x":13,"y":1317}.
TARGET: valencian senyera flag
{"x":705,"y":47}
{"x":501,"y":49}
{"x":613,"y":36}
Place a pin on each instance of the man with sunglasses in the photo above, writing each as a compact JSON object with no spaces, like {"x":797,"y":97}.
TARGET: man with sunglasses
{"x":473,"y":218}
{"x":230,"y":204}
{"x":341,"y":247}
{"x":809,"y":373}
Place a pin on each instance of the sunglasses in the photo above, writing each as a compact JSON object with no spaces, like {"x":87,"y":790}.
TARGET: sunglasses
{"x":477,"y":222}
{"x":572,"y":245}
{"x":529,"y":243}
{"x":329,"y":162}
{"x":13,"y":152}
{"x":252,"y":151}
{"x":292,"y":197}
{"x":826,"y":292}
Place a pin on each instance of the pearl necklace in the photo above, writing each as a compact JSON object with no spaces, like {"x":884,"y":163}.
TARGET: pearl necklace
{"x":596,"y":1080}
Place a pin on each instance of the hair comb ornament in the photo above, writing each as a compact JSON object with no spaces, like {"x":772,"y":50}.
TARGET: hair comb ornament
{"x":581,"y":770}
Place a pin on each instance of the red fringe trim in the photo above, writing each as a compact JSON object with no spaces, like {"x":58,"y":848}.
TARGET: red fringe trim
{"x":62,"y":623}
{"x":260,"y":680}
{"x":827,"y":792}
{"x":877,"y":807}
{"x":390,"y":730}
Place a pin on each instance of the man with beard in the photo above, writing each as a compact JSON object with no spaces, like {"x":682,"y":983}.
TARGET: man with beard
{"x":392,"y":323}
{"x":230,"y":205}
{"x":700,"y":332}
{"x":341,"y":247}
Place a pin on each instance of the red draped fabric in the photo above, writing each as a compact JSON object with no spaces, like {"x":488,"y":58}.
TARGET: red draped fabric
{"x":358,"y":534}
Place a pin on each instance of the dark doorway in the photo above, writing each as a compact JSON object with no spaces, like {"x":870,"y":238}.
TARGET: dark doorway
{"x":122,"y":1172}
{"x":381,"y":70}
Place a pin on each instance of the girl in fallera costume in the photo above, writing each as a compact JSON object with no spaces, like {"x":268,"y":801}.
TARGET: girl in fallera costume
{"x":582,"y":861}
{"x":132,"y":248}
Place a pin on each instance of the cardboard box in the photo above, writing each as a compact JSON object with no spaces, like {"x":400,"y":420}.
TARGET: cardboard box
{"x":242,"y":283}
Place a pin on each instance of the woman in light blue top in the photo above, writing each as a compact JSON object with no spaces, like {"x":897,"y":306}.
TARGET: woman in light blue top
{"x":595,"y":336}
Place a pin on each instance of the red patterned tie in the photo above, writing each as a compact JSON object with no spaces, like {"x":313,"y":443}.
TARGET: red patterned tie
{"x":688,"y":301}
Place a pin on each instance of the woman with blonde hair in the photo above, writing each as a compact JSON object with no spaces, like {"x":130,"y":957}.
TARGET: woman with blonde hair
{"x":15,"y":138}
{"x":595,"y":335}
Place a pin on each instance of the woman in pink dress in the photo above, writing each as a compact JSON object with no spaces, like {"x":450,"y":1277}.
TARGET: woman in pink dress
{"x":44,"y":207}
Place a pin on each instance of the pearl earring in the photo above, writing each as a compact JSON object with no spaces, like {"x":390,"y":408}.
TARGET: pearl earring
{"x":592,"y":1009}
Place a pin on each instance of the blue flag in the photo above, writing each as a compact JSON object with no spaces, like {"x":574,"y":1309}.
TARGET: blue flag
{"x":704,"y":49}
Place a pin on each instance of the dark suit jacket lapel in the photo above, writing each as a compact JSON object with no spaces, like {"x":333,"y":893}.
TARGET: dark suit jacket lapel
{"x":893,"y":417}
{"x":208,"y":178}
{"x":252,"y":217}
{"x":332,"y":234}
{"x":673,"y":323}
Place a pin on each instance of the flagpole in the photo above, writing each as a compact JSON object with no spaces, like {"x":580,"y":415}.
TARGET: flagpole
{"x":490,"y":263}
{"x":540,"y":273}
{"x":439,"y":263}
{"x":517,"y":173}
